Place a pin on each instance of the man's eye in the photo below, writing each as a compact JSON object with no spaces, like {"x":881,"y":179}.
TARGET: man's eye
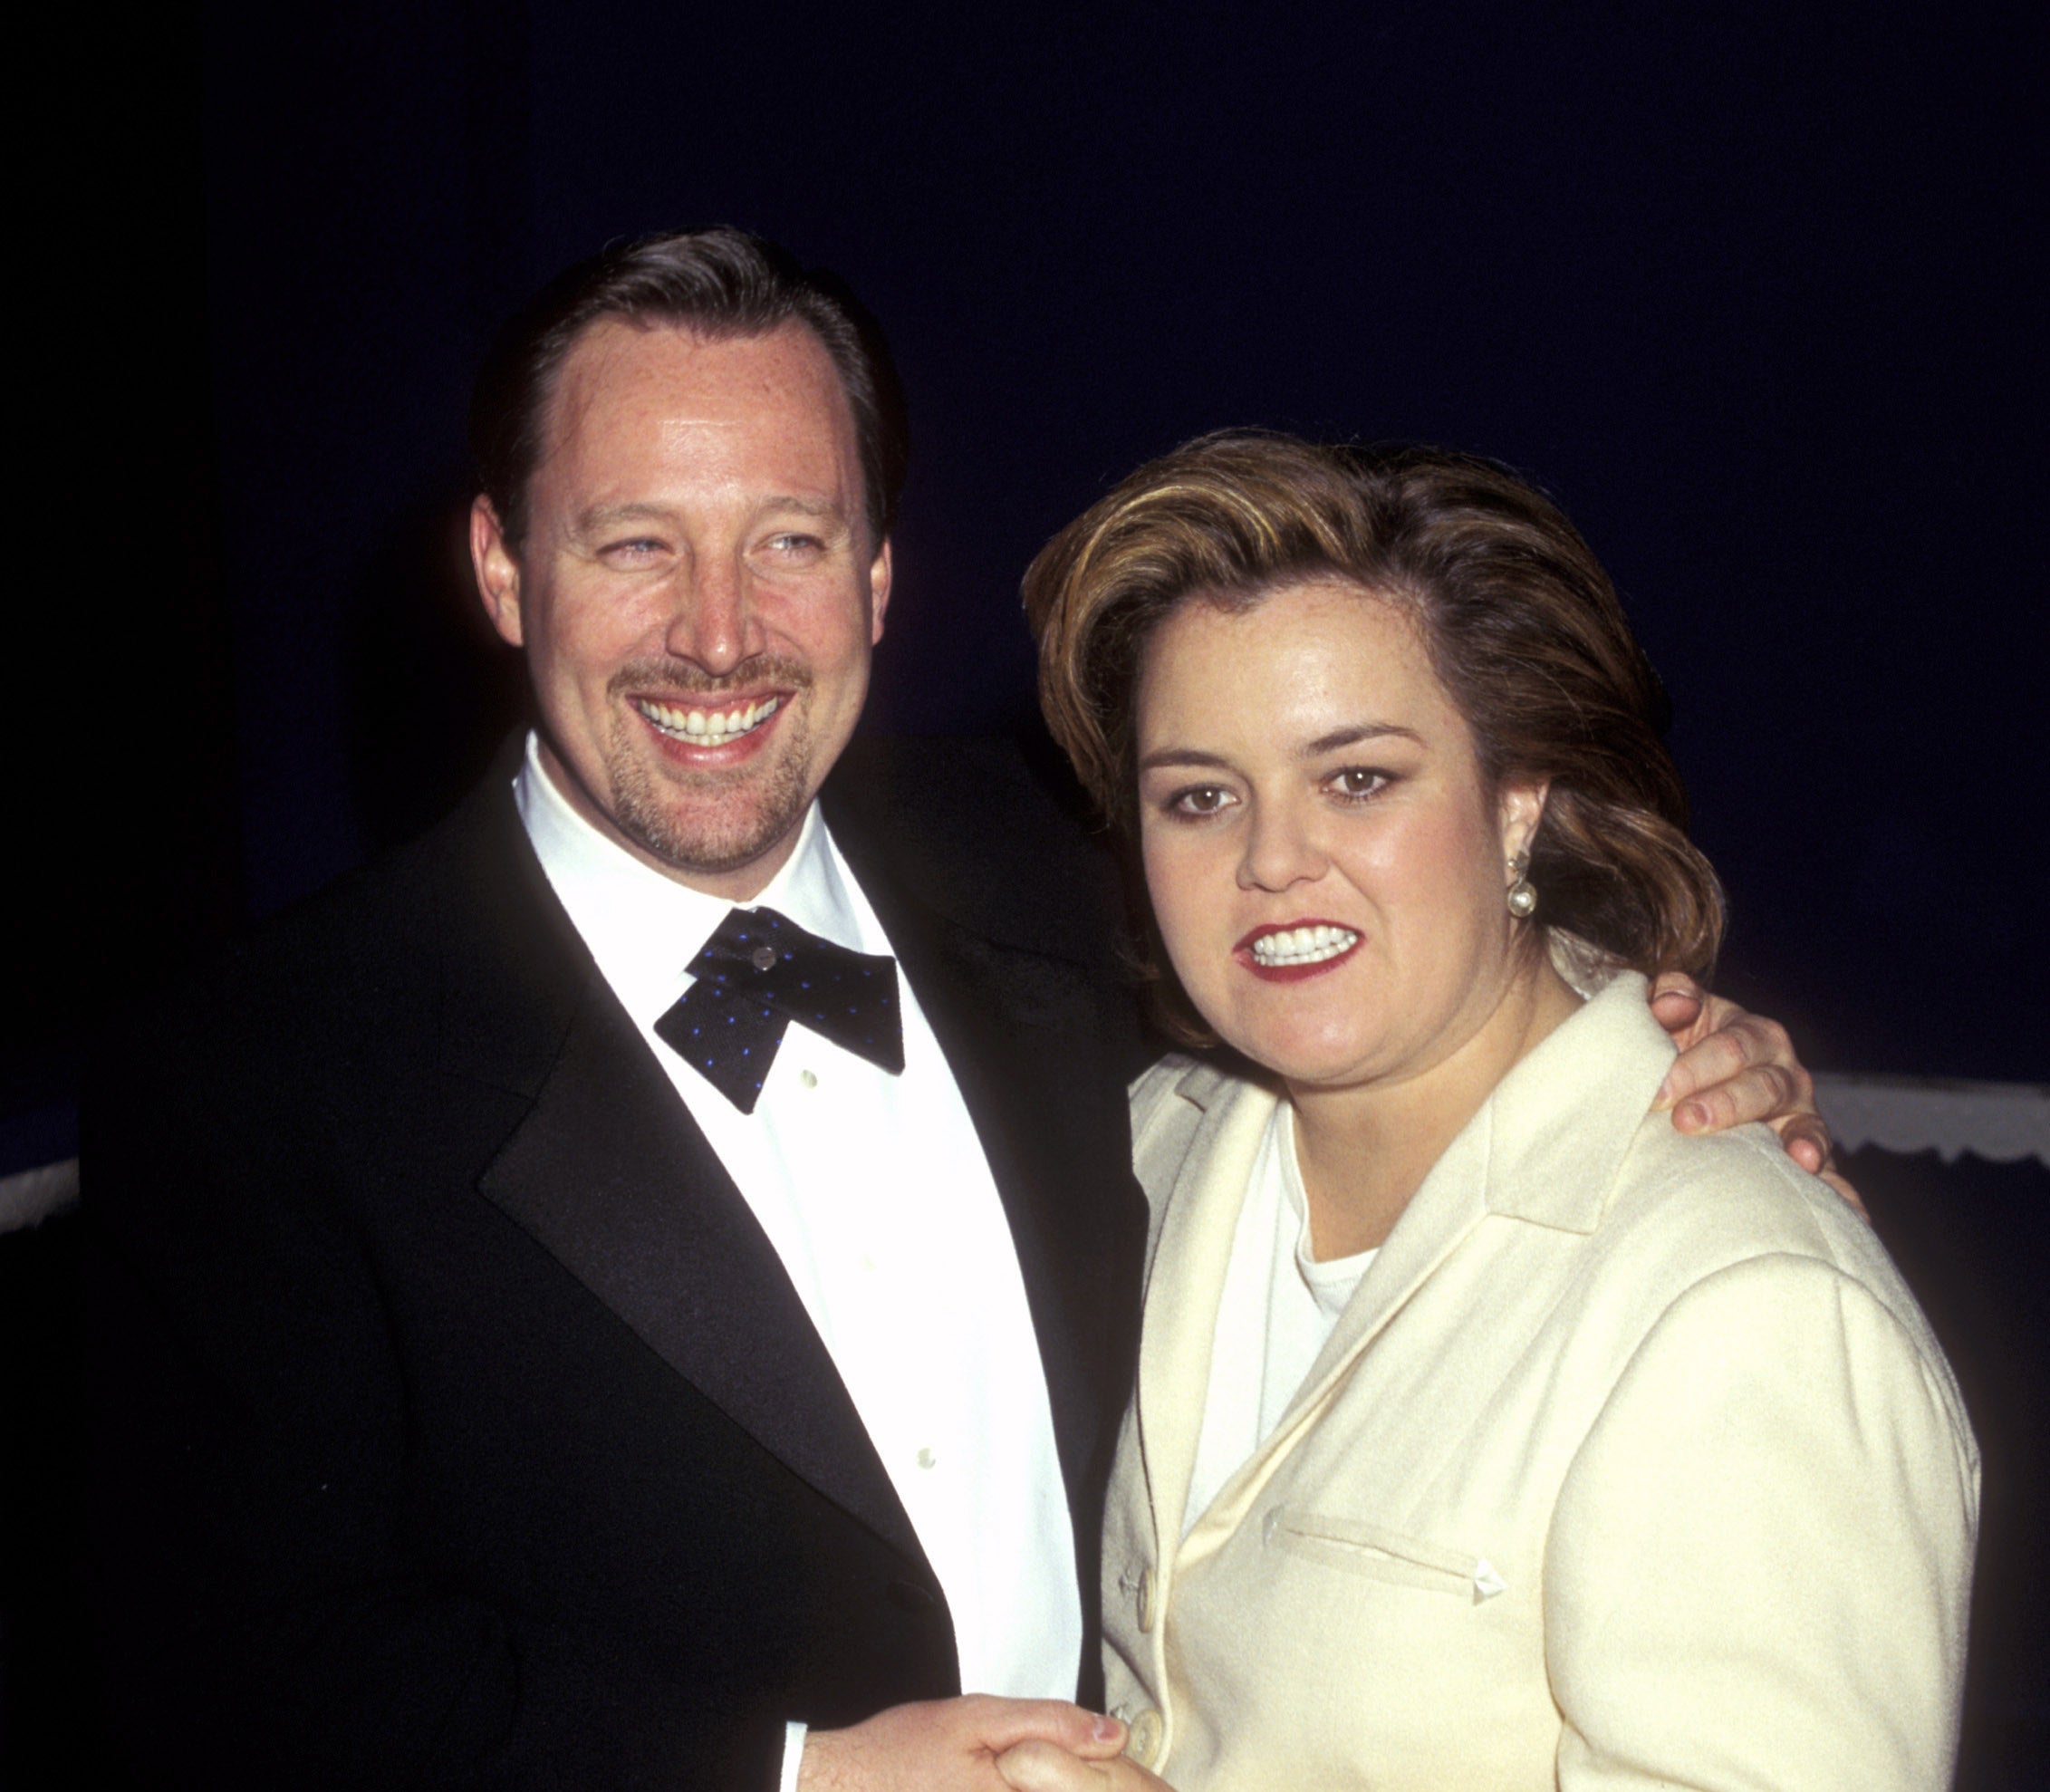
{"x":635,"y":547}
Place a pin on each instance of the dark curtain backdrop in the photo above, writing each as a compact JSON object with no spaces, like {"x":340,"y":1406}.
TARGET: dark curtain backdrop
{"x":1756,"y":290}
{"x":1749,"y":288}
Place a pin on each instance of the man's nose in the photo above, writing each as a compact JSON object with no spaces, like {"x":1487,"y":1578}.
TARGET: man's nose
{"x":714,"y":622}
{"x":1280,"y":848}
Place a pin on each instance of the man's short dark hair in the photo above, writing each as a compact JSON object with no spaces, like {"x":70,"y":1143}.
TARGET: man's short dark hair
{"x":719,"y":282}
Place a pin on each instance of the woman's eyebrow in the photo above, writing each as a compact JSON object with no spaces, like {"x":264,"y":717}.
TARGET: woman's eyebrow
{"x":1182,"y":755}
{"x":1352,"y":737}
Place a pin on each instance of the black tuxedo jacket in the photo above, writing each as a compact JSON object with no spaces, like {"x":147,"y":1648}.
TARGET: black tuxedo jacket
{"x":455,"y":1422}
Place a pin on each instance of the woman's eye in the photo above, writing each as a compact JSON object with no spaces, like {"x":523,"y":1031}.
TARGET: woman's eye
{"x":1200,"y":799}
{"x":1358,"y":781}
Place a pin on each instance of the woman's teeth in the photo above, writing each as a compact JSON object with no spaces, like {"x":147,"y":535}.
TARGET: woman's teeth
{"x":1303,"y":945}
{"x":708,"y":728}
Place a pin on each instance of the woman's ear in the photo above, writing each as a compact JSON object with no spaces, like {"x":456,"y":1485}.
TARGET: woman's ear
{"x":1519,"y":807}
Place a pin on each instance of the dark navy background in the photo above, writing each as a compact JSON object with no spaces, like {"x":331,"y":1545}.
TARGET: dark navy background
{"x":1749,"y":288}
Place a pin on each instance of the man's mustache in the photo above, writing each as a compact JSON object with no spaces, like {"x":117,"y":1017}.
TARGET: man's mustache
{"x":686,"y":677}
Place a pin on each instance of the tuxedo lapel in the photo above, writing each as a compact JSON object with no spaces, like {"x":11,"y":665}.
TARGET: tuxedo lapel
{"x":610,"y":1174}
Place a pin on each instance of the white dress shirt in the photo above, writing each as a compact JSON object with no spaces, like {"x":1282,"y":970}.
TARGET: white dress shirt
{"x":875,"y":1193}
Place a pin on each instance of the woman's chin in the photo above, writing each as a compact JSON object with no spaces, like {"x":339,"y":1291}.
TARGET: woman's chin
{"x":1307,"y":1060}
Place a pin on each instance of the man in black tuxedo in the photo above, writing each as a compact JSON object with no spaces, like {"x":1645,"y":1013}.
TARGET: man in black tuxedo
{"x":469,"y":1414}
{"x":637,"y":1288}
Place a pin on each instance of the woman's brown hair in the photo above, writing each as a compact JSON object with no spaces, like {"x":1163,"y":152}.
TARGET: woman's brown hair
{"x":1521,"y":622}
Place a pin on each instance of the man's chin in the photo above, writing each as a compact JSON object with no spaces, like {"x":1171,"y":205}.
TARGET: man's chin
{"x":710,"y":851}
{"x":725,"y":830}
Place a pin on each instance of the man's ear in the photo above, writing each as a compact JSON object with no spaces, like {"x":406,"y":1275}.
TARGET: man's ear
{"x":878,"y":591}
{"x":498,"y":571}
{"x":1519,"y":807}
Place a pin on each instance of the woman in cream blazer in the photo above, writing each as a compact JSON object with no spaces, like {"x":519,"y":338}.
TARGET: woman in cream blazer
{"x":1489,"y":1432}
{"x":1631,"y":1462}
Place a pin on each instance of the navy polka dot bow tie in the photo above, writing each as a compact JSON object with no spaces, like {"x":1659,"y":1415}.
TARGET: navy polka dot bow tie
{"x":759,"y":972}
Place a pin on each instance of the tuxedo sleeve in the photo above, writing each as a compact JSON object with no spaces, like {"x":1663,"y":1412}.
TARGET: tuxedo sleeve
{"x":266,"y":1612}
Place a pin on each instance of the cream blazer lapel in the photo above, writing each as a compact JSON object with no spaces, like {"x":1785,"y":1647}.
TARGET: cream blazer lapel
{"x":1428,"y":1232}
{"x":1193,"y":1229}
{"x":1512,"y":1159}
{"x":1517,"y":1159}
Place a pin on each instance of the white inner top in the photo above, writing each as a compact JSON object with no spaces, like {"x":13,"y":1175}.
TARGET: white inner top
{"x":1279,"y":1307}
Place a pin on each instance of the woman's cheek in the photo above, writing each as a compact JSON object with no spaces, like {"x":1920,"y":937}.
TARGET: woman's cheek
{"x":1189,"y":905}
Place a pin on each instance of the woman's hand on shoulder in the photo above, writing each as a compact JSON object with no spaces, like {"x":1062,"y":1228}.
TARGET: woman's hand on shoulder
{"x":1735,"y":1067}
{"x":1045,"y":1766}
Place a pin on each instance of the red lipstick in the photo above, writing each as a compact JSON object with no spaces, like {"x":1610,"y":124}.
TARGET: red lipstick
{"x":1311,"y":935}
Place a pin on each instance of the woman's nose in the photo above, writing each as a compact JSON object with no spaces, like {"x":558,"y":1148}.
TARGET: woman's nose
{"x":1281,"y":850}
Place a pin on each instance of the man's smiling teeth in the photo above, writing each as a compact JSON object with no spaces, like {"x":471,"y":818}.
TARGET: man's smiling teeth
{"x":1303,"y":945}
{"x":708,"y":728}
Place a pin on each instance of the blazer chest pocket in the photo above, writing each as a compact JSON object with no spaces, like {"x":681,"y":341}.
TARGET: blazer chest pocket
{"x":1377,"y":1553}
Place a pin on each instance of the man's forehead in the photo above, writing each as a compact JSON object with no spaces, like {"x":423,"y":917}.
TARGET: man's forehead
{"x":645,"y":419}
{"x":694,"y":377}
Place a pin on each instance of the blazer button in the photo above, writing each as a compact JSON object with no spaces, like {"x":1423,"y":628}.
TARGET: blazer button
{"x":1144,"y":1745}
{"x":1145,"y":1600}
{"x":908,"y":1595}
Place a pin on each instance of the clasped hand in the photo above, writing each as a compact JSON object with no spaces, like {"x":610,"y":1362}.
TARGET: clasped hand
{"x":955,"y":1744}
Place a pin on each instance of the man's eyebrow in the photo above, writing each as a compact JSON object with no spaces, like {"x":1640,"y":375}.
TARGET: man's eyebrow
{"x":1352,"y":737}
{"x":603,"y":516}
{"x":821,"y":507}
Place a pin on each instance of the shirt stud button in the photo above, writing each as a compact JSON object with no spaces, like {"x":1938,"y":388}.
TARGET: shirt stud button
{"x":809,"y":1078}
{"x":763,"y":956}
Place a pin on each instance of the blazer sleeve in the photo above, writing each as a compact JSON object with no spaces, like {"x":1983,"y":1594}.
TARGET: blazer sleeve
{"x":1760,"y":1560}
{"x":262,"y":1620}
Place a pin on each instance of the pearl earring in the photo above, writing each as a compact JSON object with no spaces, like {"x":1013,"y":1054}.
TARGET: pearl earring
{"x":1522,"y":893}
